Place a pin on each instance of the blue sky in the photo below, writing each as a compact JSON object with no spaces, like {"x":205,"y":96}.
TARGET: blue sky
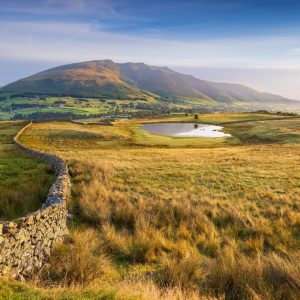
{"x":252,"y":42}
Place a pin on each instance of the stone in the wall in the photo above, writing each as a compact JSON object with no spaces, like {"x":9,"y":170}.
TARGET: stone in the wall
{"x":26,"y":243}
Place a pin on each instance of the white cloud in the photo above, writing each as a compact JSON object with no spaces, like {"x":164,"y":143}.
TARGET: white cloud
{"x":68,"y":42}
{"x":54,"y":43}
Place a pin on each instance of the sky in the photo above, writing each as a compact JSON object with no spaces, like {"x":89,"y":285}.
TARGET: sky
{"x":252,"y":42}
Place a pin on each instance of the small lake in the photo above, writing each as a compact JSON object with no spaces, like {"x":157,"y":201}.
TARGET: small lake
{"x":185,"y":130}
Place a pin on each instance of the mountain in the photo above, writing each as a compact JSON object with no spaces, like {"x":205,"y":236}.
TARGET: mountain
{"x":104,"y":78}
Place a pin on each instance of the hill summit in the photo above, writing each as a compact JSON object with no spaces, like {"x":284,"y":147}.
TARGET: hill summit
{"x":105,"y":78}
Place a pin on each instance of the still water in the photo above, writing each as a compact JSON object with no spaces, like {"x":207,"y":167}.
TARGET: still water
{"x":185,"y":130}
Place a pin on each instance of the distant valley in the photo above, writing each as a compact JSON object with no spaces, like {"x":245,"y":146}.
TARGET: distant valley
{"x":102,"y":86}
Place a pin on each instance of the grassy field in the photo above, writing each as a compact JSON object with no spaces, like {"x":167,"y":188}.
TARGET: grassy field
{"x":9,"y":107}
{"x":12,"y":106}
{"x":24,"y":182}
{"x":241,"y":128}
{"x":166,"y":218}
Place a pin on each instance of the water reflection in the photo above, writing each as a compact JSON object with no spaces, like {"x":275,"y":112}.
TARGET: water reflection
{"x":185,"y":129}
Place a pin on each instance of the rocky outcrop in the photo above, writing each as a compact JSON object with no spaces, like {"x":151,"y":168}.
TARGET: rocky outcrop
{"x":26,"y":243}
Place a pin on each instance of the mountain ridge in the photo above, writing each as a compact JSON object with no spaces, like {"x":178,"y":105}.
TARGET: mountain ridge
{"x":105,"y":78}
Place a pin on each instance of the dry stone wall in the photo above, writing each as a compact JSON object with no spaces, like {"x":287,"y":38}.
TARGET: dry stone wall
{"x":26,"y":243}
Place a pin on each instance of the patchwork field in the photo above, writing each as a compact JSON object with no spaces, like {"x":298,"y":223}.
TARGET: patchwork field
{"x":157,"y":217}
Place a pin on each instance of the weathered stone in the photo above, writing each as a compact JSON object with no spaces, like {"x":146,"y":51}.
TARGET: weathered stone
{"x":38,"y":215}
{"x":21,"y":236}
{"x":10,"y":228}
{"x":30,"y":220}
{"x":26,"y":243}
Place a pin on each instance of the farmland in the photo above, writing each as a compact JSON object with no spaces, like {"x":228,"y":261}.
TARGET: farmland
{"x":15,"y":106}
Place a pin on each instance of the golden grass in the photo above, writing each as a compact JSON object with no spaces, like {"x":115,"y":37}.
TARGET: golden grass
{"x":78,"y":261}
{"x":198,"y":222}
{"x":217,"y":118}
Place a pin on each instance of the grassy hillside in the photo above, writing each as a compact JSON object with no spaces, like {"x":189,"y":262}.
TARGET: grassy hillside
{"x":104,"y":78}
{"x":90,"y":79}
{"x":162,"y":221}
{"x":24,"y":182}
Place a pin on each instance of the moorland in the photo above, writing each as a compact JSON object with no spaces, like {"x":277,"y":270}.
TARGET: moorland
{"x":160,"y":217}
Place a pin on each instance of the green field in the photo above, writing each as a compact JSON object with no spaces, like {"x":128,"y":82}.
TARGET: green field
{"x":22,"y":107}
{"x":157,"y":217}
{"x":19,"y":107}
{"x":24,"y":182}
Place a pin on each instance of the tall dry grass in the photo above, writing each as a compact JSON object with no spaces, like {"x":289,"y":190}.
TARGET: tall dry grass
{"x":188,"y":222}
{"x":80,"y":260}
{"x":203,"y":247}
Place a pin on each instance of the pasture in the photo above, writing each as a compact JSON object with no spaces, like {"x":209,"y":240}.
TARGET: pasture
{"x":157,"y":217}
{"x":24,"y":181}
